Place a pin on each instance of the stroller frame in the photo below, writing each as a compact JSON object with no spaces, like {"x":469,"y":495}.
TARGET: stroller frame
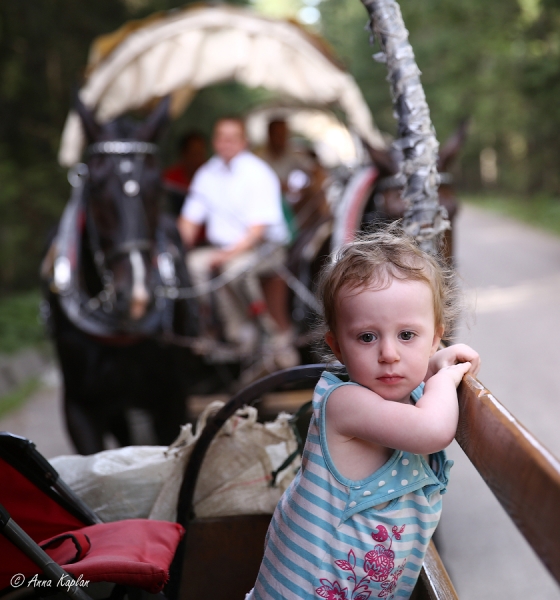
{"x":21,"y":455}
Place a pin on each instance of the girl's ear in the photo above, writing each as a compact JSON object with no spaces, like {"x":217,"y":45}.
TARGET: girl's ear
{"x":438,"y":334}
{"x":333,"y":345}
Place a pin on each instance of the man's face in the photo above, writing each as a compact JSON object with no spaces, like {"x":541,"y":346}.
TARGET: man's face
{"x":229,"y":139}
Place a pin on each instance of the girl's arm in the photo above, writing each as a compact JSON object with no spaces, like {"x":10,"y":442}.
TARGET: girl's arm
{"x":424,"y":428}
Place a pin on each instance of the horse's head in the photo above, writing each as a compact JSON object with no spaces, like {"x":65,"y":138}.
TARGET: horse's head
{"x":387,"y":203}
{"x":390,"y":183}
{"x":122,"y":206}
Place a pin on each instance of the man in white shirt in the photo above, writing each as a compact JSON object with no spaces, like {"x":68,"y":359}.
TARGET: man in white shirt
{"x":237,"y":196}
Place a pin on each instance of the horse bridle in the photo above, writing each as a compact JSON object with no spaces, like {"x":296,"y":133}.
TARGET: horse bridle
{"x":131,"y":155}
{"x":397,"y":182}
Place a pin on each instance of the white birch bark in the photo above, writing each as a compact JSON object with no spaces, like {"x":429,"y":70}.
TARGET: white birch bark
{"x":424,"y":218}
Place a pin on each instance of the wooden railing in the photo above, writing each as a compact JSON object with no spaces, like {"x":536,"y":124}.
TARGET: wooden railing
{"x":522,"y":474}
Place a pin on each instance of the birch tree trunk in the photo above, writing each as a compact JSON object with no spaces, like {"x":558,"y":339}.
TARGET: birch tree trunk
{"x":424,"y":218}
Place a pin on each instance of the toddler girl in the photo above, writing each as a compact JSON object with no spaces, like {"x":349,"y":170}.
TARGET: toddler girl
{"x":356,"y":521}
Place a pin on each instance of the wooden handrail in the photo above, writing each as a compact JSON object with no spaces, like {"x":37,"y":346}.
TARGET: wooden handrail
{"x":434,"y":582}
{"x":522,"y":474}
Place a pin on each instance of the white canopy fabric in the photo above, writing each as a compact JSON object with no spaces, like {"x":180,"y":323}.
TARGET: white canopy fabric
{"x":331,"y":140}
{"x":184,"y":51}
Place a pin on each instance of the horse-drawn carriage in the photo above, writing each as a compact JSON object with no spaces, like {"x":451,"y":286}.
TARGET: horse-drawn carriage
{"x":100,"y":302}
{"x":122,"y":309}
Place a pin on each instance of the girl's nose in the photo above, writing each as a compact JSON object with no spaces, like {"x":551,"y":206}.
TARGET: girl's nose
{"x":388,"y":351}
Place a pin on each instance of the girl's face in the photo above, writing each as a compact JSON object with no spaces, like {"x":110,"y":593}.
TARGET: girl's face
{"x":385,"y":337}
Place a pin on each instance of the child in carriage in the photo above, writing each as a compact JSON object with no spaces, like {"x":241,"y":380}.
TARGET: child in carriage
{"x":357,"y":519}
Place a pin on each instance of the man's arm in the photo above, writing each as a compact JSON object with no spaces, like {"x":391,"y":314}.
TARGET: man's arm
{"x":188,"y":230}
{"x":255,"y":236}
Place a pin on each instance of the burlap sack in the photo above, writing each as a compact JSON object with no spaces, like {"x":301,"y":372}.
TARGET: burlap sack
{"x":236,"y":473}
{"x":144,"y":481}
{"x":124,"y":483}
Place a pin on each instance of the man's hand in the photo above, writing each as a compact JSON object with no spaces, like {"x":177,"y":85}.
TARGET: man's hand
{"x":454,"y":355}
{"x":255,"y":235}
{"x":219,"y":258}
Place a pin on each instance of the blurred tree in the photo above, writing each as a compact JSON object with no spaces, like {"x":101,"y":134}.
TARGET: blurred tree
{"x":464,"y":50}
{"x":538,"y":78}
{"x":43,"y":50}
{"x":497,"y":63}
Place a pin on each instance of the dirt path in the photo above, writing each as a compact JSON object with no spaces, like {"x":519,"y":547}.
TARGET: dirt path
{"x":40,"y":418}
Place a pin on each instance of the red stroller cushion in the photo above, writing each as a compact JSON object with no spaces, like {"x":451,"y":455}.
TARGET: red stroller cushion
{"x":36,"y":512}
{"x":136,"y":552}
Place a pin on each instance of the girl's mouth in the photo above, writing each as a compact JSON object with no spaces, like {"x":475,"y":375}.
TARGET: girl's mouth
{"x":390,"y":379}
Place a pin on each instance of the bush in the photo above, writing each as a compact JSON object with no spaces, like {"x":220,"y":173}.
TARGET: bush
{"x":20,"y":324}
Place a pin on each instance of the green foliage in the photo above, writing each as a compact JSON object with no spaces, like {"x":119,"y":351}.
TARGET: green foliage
{"x":14,"y":399}
{"x":496,"y":63}
{"x":20,"y":325}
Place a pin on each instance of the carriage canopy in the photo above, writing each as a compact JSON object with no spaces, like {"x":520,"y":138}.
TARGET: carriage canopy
{"x":183,"y":51}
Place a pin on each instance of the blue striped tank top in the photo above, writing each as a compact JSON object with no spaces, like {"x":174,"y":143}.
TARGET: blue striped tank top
{"x":334,"y":538}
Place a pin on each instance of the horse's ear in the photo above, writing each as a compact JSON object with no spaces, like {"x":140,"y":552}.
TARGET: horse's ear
{"x":382,"y":159}
{"x":449,"y":151}
{"x":92,"y":128}
{"x":154,"y":125}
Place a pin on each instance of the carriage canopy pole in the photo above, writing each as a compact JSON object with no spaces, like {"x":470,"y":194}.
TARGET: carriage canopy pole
{"x":424,"y":218}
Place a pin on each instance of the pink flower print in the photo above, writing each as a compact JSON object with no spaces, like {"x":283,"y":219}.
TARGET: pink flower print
{"x":381,"y":534}
{"x":399,"y":571}
{"x":397,"y":531}
{"x":347,"y":565}
{"x":379,"y":562}
{"x":387,"y":588}
{"x":331,"y":591}
{"x":379,"y":567}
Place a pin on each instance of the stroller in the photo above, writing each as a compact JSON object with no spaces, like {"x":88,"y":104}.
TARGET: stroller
{"x":52,"y":542}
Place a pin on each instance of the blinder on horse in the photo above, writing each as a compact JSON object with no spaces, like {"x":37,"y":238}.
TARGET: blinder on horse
{"x":99,"y":313}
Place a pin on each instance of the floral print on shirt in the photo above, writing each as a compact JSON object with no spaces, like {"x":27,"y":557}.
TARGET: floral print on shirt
{"x":378,"y":566}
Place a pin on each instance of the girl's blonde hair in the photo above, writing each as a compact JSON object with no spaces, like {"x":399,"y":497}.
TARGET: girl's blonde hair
{"x":374,"y":259}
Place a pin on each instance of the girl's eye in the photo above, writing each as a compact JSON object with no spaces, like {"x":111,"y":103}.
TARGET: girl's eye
{"x":367,"y":337}
{"x":406,"y":335}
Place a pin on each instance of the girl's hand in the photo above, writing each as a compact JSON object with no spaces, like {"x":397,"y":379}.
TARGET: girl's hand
{"x":454,"y":355}
{"x":456,"y":372}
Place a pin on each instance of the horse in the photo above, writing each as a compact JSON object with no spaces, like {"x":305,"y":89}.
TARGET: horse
{"x":110,"y":280}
